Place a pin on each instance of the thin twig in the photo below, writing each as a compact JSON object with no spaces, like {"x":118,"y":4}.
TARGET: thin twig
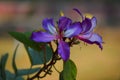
{"x":52,"y":62}
{"x":56,"y":69}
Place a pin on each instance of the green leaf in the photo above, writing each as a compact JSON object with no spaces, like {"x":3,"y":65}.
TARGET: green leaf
{"x":69,"y":70}
{"x":22,"y":72}
{"x":25,"y":39}
{"x":0,"y":69}
{"x":13,"y":60}
{"x":11,"y":76}
{"x":0,"y":78}
{"x":27,"y":34}
{"x":19,"y":78}
{"x":3,"y":64}
{"x":39,"y":57}
{"x":61,"y":76}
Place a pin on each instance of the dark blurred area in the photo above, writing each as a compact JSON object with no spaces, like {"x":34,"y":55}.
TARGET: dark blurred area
{"x":27,"y":15}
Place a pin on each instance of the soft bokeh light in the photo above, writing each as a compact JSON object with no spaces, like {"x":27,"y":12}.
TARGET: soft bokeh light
{"x":92,"y":63}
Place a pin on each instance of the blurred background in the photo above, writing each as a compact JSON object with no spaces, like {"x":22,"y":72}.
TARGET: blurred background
{"x":92,"y":63}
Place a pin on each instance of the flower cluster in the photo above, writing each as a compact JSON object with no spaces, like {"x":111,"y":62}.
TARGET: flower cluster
{"x":65,"y":29}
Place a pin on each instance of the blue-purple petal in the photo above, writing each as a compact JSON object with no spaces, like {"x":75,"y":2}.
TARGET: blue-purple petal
{"x":86,"y":25}
{"x":63,"y":23}
{"x":93,"y":24}
{"x":42,"y":37}
{"x":48,"y":25}
{"x":86,"y":36}
{"x":73,"y":30}
{"x":64,"y":50}
{"x":94,"y":39}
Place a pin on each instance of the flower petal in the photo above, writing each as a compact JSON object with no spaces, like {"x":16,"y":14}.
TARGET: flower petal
{"x":64,"y":50}
{"x":49,"y":26}
{"x":86,"y":25}
{"x":85,"y":36}
{"x":73,"y":30}
{"x":42,"y":37}
{"x":78,"y":13}
{"x":95,"y":38}
{"x":63,"y":23}
{"x":94,"y":23}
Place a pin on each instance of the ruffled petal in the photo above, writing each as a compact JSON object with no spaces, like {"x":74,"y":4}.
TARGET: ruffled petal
{"x":73,"y":30}
{"x":85,"y":36}
{"x":49,"y":26}
{"x":64,"y":50}
{"x":42,"y":37}
{"x":86,"y":25}
{"x":63,"y":23}
{"x":93,"y":24}
{"x":95,"y":38}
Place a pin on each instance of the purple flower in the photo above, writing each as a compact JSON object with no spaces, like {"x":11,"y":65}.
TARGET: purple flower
{"x":87,"y":34}
{"x":64,"y":28}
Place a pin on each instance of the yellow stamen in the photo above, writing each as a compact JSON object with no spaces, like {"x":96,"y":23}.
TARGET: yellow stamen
{"x":87,"y":15}
{"x":61,"y":13}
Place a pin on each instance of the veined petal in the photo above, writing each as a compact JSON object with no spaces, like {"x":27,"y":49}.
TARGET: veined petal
{"x":73,"y":30}
{"x":42,"y":37}
{"x":85,"y":36}
{"x":94,"y":23}
{"x":64,"y":50}
{"x":63,"y":23}
{"x":86,"y":25}
{"x":95,"y":38}
{"x":49,"y":26}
